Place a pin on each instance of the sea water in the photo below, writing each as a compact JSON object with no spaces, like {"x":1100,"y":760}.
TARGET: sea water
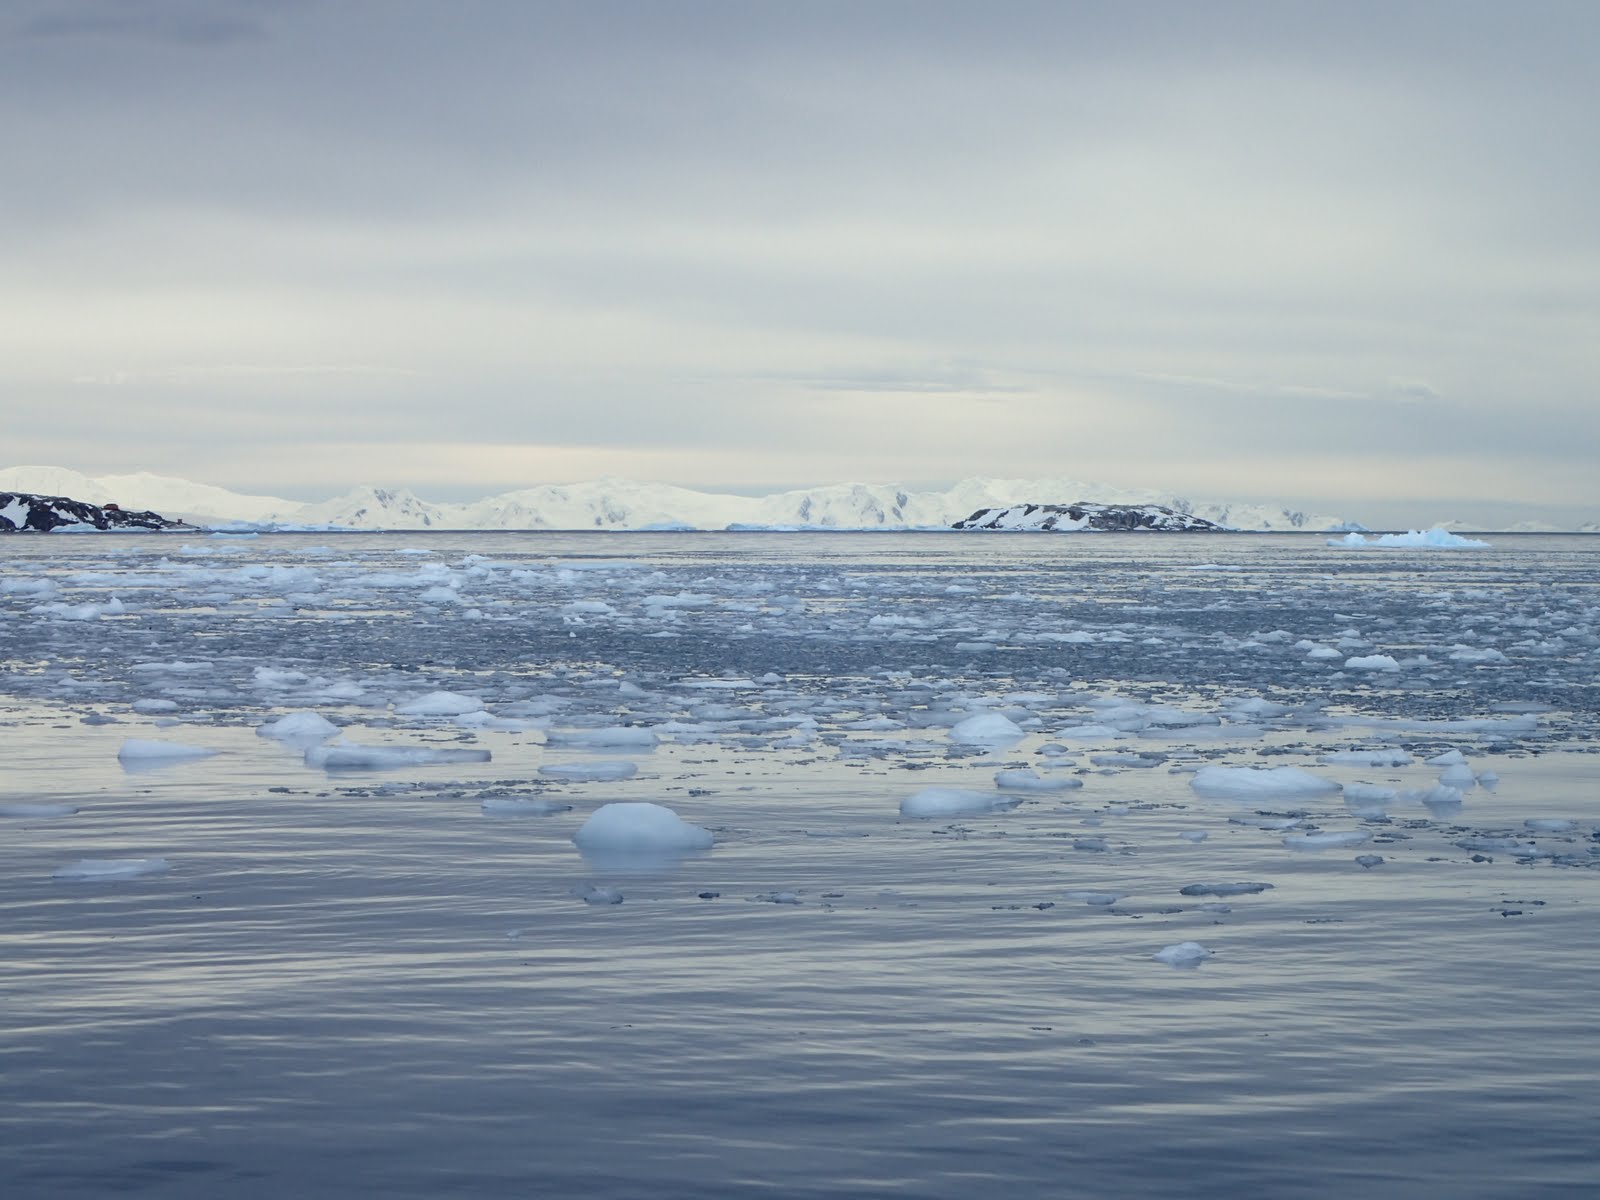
{"x":1075,"y":865}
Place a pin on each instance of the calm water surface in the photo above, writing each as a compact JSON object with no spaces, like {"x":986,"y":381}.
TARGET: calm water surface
{"x":362,"y":983}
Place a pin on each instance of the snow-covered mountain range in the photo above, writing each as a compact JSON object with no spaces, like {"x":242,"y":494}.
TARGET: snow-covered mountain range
{"x":620,"y":504}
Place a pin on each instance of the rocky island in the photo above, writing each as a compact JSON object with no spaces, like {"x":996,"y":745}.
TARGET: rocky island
{"x":1086,"y":515}
{"x":24,"y":512}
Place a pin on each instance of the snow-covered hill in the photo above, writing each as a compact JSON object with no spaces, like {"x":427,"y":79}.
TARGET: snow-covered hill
{"x":626,"y":504}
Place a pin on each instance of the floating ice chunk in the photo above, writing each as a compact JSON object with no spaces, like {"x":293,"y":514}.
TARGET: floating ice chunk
{"x":1030,"y":781}
{"x":617,"y":737}
{"x":1193,"y":835}
{"x":151,"y":706}
{"x":144,"y":750}
{"x":109,"y":869}
{"x":598,"y":895}
{"x":1321,"y":652}
{"x":1436,"y":538}
{"x":1371,"y":662}
{"x":522,"y":806}
{"x":1475,"y":654}
{"x":1368,"y":798}
{"x":1183,"y":954}
{"x":482,"y":720}
{"x":1450,"y":758}
{"x":298,"y":727}
{"x":639,"y":827}
{"x":1441,"y":796}
{"x":1259,"y":781}
{"x":1087,"y":733}
{"x":22,"y":811}
{"x":1224,"y":889}
{"x":345,"y":755}
{"x":1327,"y":841}
{"x":1458,"y":776}
{"x":279,"y":677}
{"x":1366,"y":758}
{"x":439,"y":704}
{"x":1549,"y":824}
{"x":1368,"y":861}
{"x":986,"y":729}
{"x":947,"y":802}
{"x":1126,"y":760}
{"x":593,"y":772}
{"x":1097,"y":899}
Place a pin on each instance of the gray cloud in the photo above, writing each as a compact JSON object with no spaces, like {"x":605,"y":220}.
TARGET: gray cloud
{"x":1232,"y":233}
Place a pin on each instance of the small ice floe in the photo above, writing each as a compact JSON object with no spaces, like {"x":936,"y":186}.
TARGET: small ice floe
{"x":1549,"y":824}
{"x":1119,"y":759}
{"x":345,"y":755}
{"x":1193,"y":835}
{"x":1458,"y":776}
{"x":521,"y":806}
{"x":1368,"y":861}
{"x":1437,"y":538}
{"x":1331,"y":840}
{"x":1183,"y":954}
{"x":1024,"y":780}
{"x":614,"y":737}
{"x":1267,"y":822}
{"x":24,"y":811}
{"x":1371,"y":662}
{"x":439,"y":704}
{"x":639,"y":827}
{"x":303,"y":727}
{"x":1450,"y":758}
{"x":1259,"y":781}
{"x":1096,"y":899}
{"x":986,"y":729}
{"x":1088,"y":733}
{"x":144,"y":751}
{"x":590,"y":894}
{"x":1440,"y":798}
{"x":1224,"y":889}
{"x":608,"y":771}
{"x":1366,"y":758}
{"x":948,"y":802}
{"x":95,"y":870}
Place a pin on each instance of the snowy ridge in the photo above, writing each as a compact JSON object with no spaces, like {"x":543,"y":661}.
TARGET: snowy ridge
{"x":1065,"y":518}
{"x":621,"y":504}
{"x":24,"y":512}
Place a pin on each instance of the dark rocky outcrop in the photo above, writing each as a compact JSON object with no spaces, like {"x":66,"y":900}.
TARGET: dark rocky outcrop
{"x":1086,"y":515}
{"x":24,"y":512}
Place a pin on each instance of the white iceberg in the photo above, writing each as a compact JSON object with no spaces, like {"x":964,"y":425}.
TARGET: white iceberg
{"x":1183,"y":954}
{"x":1259,"y":781}
{"x":949,"y":802}
{"x":986,"y":729}
{"x":639,"y":827}
{"x":146,"y":750}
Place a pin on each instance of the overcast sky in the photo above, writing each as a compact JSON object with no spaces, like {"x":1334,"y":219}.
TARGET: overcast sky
{"x":1337,"y":253}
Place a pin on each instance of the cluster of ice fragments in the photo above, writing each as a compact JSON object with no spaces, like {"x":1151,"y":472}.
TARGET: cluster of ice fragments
{"x":368,"y":661}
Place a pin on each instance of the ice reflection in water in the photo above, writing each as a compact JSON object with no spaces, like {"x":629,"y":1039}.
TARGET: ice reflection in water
{"x":406,"y":979}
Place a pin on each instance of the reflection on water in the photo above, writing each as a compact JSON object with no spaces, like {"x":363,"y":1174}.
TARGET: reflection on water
{"x":407,"y":981}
